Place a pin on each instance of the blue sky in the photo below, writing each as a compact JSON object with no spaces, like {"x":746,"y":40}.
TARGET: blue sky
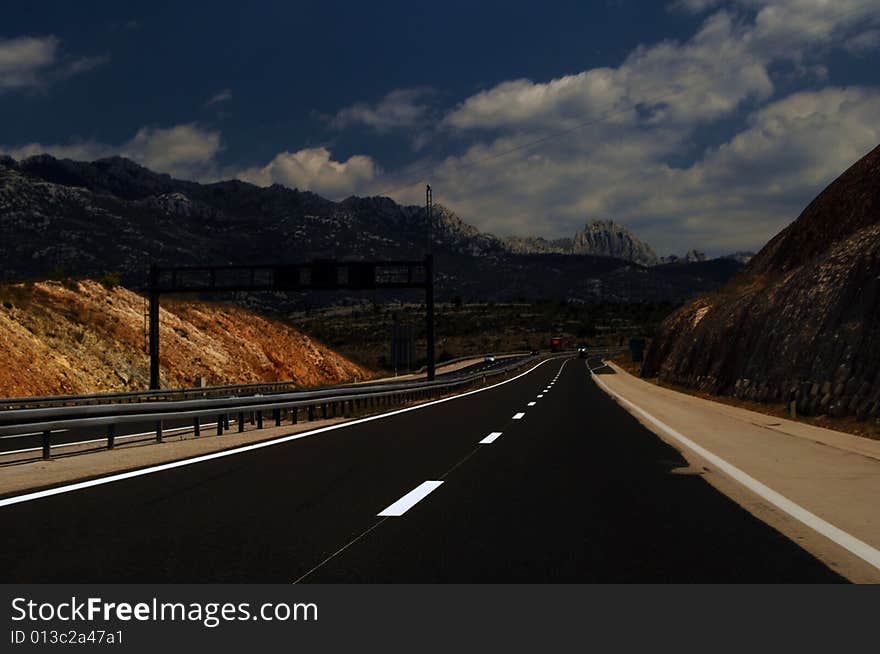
{"x":698,"y":123}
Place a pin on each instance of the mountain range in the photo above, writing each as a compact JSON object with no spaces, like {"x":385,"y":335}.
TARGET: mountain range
{"x":63,"y":217}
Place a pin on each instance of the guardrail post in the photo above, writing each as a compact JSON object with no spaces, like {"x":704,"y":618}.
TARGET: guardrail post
{"x":324,"y":410}
{"x":47,"y":453}
{"x":240,"y":421}
{"x":158,"y":431}
{"x":219,"y":424}
{"x":311,"y":412}
{"x":226,"y":421}
{"x":111,"y":436}
{"x":260,"y":419}
{"x":293,"y":415}
{"x":197,"y":426}
{"x":277,"y":413}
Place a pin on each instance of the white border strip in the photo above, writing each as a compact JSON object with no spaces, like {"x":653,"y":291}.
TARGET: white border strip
{"x":409,"y":500}
{"x":103,"y":439}
{"x":849,"y":542}
{"x":28,"y":497}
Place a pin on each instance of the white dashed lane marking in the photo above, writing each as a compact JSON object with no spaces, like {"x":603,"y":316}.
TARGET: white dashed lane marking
{"x":412,"y":498}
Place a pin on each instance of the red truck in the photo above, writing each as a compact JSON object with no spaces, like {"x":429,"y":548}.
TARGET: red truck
{"x":557,"y":344}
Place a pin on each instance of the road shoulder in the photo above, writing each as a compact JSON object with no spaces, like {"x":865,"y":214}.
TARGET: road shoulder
{"x":834,"y":475}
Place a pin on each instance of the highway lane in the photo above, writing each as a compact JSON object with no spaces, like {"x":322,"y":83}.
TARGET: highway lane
{"x":132,"y":432}
{"x":571,"y":488}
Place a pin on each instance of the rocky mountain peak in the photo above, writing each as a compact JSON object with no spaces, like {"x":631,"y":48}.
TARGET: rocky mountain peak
{"x":605,"y":238}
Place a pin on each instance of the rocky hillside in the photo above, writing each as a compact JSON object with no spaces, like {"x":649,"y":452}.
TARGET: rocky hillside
{"x":83,"y":337}
{"x":802,"y":318}
{"x":62,"y":218}
{"x":692,"y":256}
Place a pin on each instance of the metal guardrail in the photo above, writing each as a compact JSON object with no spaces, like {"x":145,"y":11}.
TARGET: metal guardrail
{"x":131,"y":397}
{"x":330,"y":401}
{"x":474,"y":356}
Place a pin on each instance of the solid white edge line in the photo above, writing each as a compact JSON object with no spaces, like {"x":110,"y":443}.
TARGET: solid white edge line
{"x":104,"y":439}
{"x":849,"y":542}
{"x":518,"y":416}
{"x":491,"y":438}
{"x":409,"y":500}
{"x":27,"y":497}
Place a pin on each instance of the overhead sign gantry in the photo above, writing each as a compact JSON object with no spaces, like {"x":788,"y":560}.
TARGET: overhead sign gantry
{"x":319,"y":275}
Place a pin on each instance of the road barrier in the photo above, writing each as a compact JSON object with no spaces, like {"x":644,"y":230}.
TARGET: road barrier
{"x":332,"y":402}
{"x":131,"y":397}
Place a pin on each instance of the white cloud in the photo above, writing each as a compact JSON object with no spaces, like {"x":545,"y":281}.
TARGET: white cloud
{"x":78,"y":150}
{"x":187,"y":151}
{"x":24,"y":59}
{"x":220,"y":96}
{"x":793,"y":29}
{"x":315,"y":170}
{"x":636,"y":159}
{"x":670,"y":81}
{"x":797,"y":143}
{"x":864,"y":42}
{"x":34,"y":61}
{"x":695,"y":6}
{"x":401,"y":108}
{"x":734,"y":196}
{"x":725,"y":64}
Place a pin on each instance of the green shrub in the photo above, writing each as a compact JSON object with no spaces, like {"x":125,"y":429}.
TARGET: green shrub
{"x":110,"y":280}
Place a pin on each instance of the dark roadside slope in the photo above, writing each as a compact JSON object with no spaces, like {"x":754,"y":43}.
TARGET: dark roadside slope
{"x":804,"y":316}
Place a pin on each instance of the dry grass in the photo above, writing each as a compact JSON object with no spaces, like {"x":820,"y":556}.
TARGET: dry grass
{"x":84,"y":337}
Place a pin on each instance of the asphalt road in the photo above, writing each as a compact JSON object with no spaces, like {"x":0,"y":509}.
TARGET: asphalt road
{"x":130,"y":432}
{"x":573,"y":490}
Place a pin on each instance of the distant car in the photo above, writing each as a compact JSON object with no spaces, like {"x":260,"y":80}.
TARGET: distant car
{"x":534,"y":352}
{"x":582,"y":352}
{"x":489,"y":358}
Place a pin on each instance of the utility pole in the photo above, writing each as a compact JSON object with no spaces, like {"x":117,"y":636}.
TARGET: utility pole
{"x":429,"y":281}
